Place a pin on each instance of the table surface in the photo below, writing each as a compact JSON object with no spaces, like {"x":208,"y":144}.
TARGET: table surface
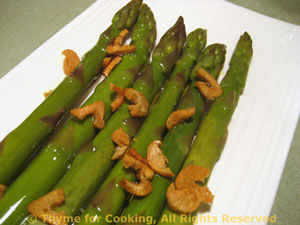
{"x":18,"y":39}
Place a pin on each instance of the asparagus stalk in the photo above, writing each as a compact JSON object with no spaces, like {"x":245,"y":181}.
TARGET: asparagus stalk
{"x":212,"y":133}
{"x":19,"y":145}
{"x":94,"y":159}
{"x":48,"y":167}
{"x":110,"y":197}
{"x":178,"y":141}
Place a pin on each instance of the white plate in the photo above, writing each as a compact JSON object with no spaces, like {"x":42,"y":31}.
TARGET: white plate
{"x":246,"y":178}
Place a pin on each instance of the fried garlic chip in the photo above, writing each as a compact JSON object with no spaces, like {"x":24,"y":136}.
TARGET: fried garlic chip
{"x":122,"y":139}
{"x":2,"y":189}
{"x":144,"y":174}
{"x":189,"y":175}
{"x":42,"y":207}
{"x":112,"y":64}
{"x":209,"y":89}
{"x":106,"y":61}
{"x":157,"y":160}
{"x":70,"y":62}
{"x":119,"y":152}
{"x":97,"y":109}
{"x":116,"y":49}
{"x":138,"y":156}
{"x":120,"y":39}
{"x":120,"y":49}
{"x":118,"y":101}
{"x":184,"y":195}
{"x":182,"y":201}
{"x":178,"y":116}
{"x":141,"y":105}
{"x":134,"y":160}
{"x":142,"y":188}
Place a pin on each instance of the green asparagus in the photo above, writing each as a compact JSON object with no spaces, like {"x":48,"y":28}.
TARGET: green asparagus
{"x":94,"y":159}
{"x":19,"y":145}
{"x":178,"y":141}
{"x":212,"y":133}
{"x":110,"y":197}
{"x":48,"y":167}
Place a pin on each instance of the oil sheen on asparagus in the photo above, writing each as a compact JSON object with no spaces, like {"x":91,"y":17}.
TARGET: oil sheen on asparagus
{"x":212,"y":133}
{"x":178,"y":141}
{"x":48,"y":167}
{"x":93,"y":161}
{"x":21,"y":143}
{"x":110,"y":197}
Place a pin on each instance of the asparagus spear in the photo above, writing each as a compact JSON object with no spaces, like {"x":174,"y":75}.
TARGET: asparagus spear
{"x":110,"y":197}
{"x":178,"y":141}
{"x":46,"y":169}
{"x":212,"y":133}
{"x":20,"y":144}
{"x":94,"y":159}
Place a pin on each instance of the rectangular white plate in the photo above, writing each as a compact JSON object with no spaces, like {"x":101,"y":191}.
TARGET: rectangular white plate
{"x":246,"y":178}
